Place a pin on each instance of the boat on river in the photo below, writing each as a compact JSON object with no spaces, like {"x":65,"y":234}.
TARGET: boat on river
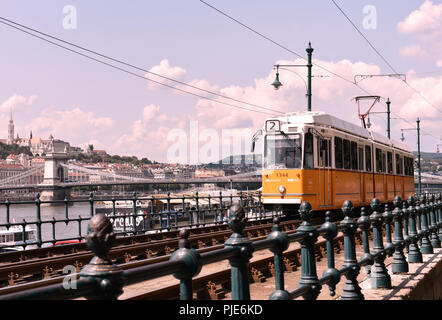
{"x":15,"y":238}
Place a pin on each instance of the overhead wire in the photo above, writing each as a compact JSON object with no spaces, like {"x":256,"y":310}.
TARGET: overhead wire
{"x":382,"y":57}
{"x":21,"y":28}
{"x":316,"y":64}
{"x":280,"y":45}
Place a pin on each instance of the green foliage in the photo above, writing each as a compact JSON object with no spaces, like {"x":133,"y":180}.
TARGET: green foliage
{"x":6,"y":150}
{"x":96,"y":158}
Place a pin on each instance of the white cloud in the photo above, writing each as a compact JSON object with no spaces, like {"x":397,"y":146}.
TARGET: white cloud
{"x":75,"y":125}
{"x":166,"y":70}
{"x":425,"y":25}
{"x":149,"y":134}
{"x":412,"y":51}
{"x":425,"y":22}
{"x":15,"y":101}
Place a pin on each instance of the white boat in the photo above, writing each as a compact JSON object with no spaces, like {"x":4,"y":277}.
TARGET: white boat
{"x":12,"y":239}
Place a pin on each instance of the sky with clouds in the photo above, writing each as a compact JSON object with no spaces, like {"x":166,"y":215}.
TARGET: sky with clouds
{"x":51,"y":90}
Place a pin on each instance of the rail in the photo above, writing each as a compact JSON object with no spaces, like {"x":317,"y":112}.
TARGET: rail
{"x":417,"y":220}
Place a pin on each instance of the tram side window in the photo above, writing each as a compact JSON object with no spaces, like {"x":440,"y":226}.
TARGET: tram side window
{"x":354,"y":155}
{"x":308,"y":151}
{"x":384,"y":162}
{"x":390,"y":162}
{"x":399,"y":166}
{"x":347,"y":154}
{"x":338,"y":153}
{"x":409,"y":169}
{"x":368,"y":158}
{"x":361,"y":158}
{"x":406,"y":163}
{"x":324,"y":151}
{"x":378,"y":160}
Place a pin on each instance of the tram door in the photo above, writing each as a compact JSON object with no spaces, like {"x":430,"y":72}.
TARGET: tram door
{"x":325,"y":179}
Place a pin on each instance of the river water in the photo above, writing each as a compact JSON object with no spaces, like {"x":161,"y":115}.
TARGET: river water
{"x":61,"y":230}
{"x":28,"y":212}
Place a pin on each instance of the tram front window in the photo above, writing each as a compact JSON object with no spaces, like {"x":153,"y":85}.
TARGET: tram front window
{"x":282,"y":151}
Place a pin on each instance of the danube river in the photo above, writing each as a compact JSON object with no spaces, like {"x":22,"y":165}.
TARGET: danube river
{"x":28,"y":212}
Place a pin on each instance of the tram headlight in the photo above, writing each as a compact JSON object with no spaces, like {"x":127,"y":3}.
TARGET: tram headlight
{"x":281,"y":189}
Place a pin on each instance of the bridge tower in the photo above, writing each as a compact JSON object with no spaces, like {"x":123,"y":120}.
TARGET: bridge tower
{"x":54,"y":174}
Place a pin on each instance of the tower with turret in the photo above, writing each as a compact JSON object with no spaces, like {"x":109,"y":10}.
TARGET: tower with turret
{"x":10,"y":130}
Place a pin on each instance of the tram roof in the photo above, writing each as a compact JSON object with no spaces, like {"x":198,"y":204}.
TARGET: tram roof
{"x":323,"y":118}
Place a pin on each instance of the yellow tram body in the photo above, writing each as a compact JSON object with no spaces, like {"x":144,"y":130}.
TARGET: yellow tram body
{"x":315,"y":157}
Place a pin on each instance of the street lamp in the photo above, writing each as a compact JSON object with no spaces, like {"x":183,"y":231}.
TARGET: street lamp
{"x":388,"y":117}
{"x":277,"y":84}
{"x":418,"y":152}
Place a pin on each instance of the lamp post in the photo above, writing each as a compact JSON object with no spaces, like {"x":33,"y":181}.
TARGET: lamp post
{"x":388,"y":117}
{"x":277,"y":84}
{"x":418,"y":152}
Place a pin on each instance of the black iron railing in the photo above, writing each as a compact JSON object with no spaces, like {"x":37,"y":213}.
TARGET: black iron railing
{"x":417,"y":228}
{"x":59,"y":221}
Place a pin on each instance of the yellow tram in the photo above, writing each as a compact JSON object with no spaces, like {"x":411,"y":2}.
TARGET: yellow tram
{"x":316,"y":157}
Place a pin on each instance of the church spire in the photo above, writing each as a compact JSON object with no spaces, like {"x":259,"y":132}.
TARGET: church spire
{"x":10,"y":129}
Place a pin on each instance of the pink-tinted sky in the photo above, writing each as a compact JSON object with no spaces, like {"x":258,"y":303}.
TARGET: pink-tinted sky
{"x":54,"y":91}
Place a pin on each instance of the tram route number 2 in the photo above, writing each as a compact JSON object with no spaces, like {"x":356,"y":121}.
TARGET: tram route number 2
{"x":273,"y":125}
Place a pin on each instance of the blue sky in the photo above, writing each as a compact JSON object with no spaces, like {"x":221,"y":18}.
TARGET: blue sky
{"x":205,"y":44}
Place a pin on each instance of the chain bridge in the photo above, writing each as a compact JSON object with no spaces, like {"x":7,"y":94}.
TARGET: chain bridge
{"x":58,"y":175}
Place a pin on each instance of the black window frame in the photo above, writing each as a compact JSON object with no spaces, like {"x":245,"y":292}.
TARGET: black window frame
{"x":368,"y":159}
{"x":308,"y":151}
{"x":338,"y":147}
{"x":347,"y":154}
{"x":389,"y":162}
{"x":354,"y":155}
{"x":378,"y":157}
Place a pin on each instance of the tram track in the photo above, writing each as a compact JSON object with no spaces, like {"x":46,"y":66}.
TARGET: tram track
{"x":215,"y":285}
{"x":128,"y":252}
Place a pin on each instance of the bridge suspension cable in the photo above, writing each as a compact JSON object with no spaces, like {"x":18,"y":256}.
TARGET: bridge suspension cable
{"x":16,"y":179}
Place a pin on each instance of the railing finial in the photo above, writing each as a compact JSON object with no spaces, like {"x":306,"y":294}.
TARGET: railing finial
{"x":108,"y":276}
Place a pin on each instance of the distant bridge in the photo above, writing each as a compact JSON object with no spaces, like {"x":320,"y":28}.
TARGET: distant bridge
{"x":58,"y":173}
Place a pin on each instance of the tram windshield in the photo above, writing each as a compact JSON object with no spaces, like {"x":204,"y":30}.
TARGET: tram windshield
{"x":282,"y":151}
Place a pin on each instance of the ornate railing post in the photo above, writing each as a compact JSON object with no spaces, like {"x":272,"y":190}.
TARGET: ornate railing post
{"x":388,"y":218}
{"x":330,"y":231}
{"x":414,"y":253}
{"x":308,"y":264}
{"x":367,"y":258}
{"x":91,"y":204}
{"x":406,"y":215}
{"x":239,"y":262}
{"x":38,"y":213}
{"x":399,"y":264}
{"x":281,"y":245}
{"x":435,"y":242}
{"x":108,"y":276}
{"x":439,"y":215}
{"x":351,"y":290}
{"x":426,"y":247}
{"x":191,"y":260}
{"x":379,"y":275}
